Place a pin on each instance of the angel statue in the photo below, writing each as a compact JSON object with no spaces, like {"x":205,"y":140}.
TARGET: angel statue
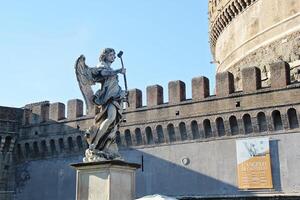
{"x":107,"y":101}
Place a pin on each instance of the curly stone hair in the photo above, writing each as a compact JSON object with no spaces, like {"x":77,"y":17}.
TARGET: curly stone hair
{"x":104,"y":53}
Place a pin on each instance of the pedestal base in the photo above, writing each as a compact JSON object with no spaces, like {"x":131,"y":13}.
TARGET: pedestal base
{"x":105,"y":180}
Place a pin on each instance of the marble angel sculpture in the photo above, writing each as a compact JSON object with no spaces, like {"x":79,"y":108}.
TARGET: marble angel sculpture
{"x":107,"y":100}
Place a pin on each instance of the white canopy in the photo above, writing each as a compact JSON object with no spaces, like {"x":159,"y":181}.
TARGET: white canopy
{"x":156,"y":197}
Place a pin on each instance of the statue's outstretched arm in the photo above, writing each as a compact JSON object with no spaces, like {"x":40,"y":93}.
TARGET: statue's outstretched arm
{"x":108,"y":72}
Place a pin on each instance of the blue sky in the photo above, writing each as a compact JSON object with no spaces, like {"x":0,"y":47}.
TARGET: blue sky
{"x":162,"y":40}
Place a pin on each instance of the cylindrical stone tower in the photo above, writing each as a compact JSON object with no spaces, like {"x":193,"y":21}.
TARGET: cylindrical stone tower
{"x":247,"y":33}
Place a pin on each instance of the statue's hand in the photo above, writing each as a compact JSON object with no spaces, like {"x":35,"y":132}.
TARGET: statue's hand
{"x":123,"y":71}
{"x":124,"y":94}
{"x":92,"y":147}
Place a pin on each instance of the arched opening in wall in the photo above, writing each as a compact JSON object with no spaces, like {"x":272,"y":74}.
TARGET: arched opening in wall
{"x":182,"y":130}
{"x":36,"y":149}
{"x":171,"y":133}
{"x":79,"y":142}
{"x":61,"y":144}
{"x":234,"y":128}
{"x":262,"y":122}
{"x":207,"y":128}
{"x":52,"y":146}
{"x":19,"y":152}
{"x":195,"y":130}
{"x":277,"y":122}
{"x":44,"y":149}
{"x":70,"y":143}
{"x":292,"y":117}
{"x":118,"y":138}
{"x":160,"y":134}
{"x":27,"y":150}
{"x":138,"y":136}
{"x":149,"y":135}
{"x":247,"y":123}
{"x":128,"y":138}
{"x":220,"y":126}
{"x":7,"y":144}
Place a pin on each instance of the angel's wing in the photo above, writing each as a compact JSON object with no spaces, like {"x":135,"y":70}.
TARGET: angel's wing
{"x":85,"y":81}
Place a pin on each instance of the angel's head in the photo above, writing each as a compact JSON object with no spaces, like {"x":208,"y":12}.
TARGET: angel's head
{"x":107,"y":55}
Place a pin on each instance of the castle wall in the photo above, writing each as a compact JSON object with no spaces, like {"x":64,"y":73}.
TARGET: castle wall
{"x":186,"y":146}
{"x":46,"y":179}
{"x":210,"y":170}
{"x":10,"y":121}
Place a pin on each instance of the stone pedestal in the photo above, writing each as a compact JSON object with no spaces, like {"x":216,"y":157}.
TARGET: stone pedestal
{"x":106,"y":180}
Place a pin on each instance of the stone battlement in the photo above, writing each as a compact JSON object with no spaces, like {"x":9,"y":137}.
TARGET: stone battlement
{"x":47,"y":131}
{"x":280,"y":79}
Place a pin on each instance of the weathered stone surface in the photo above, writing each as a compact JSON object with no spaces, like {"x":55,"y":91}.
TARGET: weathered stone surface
{"x":271,"y":35}
{"x":209,"y":149}
{"x":200,"y":88}
{"x":280,"y":75}
{"x":251,"y":78}
{"x":135,"y":98}
{"x":57,"y":111}
{"x":39,"y":113}
{"x":176,"y":91}
{"x":155,"y":95}
{"x":110,"y":180}
{"x":75,"y":108}
{"x":224,"y":84}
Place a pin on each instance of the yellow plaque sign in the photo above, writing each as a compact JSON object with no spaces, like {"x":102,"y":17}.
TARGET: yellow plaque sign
{"x":254,"y":163}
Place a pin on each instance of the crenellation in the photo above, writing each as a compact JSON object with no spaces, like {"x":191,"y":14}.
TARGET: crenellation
{"x":135,"y":99}
{"x":39,"y":112}
{"x":200,"y":88}
{"x":74,"y":109}
{"x":155,"y":95}
{"x":173,"y":122}
{"x":57,"y":111}
{"x":176,"y":92}
{"x":280,"y":75}
{"x":251,"y":79}
{"x":224,"y":84}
